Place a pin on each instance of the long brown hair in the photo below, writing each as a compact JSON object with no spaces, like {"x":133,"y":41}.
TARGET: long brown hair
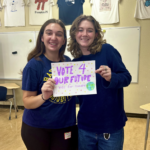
{"x":73,"y":46}
{"x":40,"y":47}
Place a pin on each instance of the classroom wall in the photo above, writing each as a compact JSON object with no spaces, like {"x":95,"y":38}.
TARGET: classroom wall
{"x":135,"y":94}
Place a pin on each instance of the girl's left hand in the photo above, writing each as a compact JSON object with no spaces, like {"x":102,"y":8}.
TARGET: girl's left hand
{"x":105,"y":72}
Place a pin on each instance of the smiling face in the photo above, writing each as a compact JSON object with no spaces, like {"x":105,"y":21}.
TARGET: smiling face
{"x":53,"y":37}
{"x":85,"y":34}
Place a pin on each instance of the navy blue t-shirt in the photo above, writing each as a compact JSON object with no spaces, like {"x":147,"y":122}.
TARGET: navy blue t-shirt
{"x":55,"y":113}
{"x":69,"y":10}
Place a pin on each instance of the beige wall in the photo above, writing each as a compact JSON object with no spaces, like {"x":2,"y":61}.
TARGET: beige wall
{"x":135,"y":94}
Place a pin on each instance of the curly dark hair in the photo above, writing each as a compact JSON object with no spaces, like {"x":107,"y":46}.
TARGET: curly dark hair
{"x":73,"y":46}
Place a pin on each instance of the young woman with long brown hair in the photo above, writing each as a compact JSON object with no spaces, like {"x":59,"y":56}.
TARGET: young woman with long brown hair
{"x":49,"y":123}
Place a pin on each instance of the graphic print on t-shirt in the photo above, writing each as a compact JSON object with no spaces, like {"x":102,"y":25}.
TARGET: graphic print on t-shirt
{"x":147,"y":3}
{"x":39,"y":2}
{"x":72,"y":1}
{"x":13,"y":5}
{"x":105,"y":5}
{"x":56,"y":100}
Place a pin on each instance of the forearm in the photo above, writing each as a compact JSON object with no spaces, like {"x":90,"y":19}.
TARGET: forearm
{"x":33,"y":102}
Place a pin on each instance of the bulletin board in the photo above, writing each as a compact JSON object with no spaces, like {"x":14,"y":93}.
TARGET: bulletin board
{"x":125,"y":39}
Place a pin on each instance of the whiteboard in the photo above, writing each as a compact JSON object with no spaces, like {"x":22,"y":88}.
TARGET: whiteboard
{"x":126,"y":40}
{"x":12,"y":64}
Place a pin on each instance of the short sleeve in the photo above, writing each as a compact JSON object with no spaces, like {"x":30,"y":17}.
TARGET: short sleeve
{"x":82,"y":1}
{"x":4,"y":3}
{"x":29,"y":79}
{"x":58,"y":2}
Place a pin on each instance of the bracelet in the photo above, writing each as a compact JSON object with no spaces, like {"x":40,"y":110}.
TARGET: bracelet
{"x":43,"y":98}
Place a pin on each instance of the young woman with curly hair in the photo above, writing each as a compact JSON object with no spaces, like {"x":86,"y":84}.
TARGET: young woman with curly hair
{"x":101,"y":116}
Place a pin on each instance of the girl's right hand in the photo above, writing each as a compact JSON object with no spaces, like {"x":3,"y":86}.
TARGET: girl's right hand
{"x":47,"y":88}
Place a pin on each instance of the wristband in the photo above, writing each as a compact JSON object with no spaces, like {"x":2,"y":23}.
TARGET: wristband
{"x":43,"y":98}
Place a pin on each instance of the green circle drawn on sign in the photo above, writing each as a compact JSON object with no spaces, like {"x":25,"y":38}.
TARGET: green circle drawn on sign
{"x":90,"y":86}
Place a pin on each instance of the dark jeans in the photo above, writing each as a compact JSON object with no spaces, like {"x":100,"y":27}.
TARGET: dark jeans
{"x":92,"y":141}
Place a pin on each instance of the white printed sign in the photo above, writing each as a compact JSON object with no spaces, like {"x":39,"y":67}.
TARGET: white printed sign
{"x":74,"y":78}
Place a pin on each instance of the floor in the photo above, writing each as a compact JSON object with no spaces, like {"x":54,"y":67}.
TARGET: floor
{"x":10,"y":138}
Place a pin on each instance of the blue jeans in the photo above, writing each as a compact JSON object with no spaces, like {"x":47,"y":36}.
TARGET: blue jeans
{"x":92,"y":141}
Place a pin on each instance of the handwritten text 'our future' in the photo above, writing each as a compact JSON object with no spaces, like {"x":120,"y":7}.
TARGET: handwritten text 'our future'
{"x":64,"y":79}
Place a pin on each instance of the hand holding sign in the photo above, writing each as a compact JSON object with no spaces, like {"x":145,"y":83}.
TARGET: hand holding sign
{"x":74,"y":78}
{"x":47,"y":88}
{"x":105,"y":72}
